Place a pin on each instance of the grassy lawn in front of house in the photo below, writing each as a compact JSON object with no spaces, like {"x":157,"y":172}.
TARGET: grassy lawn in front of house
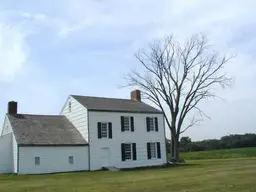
{"x":220,"y":154}
{"x":236,"y":174}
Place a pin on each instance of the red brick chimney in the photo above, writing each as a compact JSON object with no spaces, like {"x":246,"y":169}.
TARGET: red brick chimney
{"x":135,"y":95}
{"x":12,"y":107}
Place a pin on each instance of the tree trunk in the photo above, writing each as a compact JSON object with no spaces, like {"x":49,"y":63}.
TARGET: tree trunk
{"x":172,"y":147}
{"x":176,"y":155}
{"x":175,"y":149}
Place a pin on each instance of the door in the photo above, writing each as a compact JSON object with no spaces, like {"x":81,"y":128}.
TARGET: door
{"x":105,"y":157}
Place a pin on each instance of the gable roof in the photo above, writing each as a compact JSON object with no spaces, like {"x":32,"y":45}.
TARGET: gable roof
{"x":44,"y":130}
{"x":114,"y":105}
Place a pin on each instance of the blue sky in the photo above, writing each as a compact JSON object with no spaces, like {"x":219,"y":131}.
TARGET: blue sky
{"x":50,"y":49}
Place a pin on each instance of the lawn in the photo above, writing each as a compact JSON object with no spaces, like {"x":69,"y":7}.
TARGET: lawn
{"x":220,"y":154}
{"x":201,"y":175}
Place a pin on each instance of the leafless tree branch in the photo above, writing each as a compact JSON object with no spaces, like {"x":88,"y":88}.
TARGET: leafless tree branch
{"x":178,"y":77}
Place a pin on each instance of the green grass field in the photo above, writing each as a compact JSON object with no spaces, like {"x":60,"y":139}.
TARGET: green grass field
{"x":236,"y":175}
{"x":220,"y":154}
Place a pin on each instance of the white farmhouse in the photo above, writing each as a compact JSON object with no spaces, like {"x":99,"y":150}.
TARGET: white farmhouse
{"x":90,"y":133}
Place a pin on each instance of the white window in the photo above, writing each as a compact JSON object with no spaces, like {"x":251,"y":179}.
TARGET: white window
{"x":127,"y":124}
{"x":153,"y":150}
{"x":151,"y":124}
{"x":128,"y":151}
{"x":37,"y":160}
{"x":69,"y":106}
{"x":104,"y":130}
{"x":71,"y":160}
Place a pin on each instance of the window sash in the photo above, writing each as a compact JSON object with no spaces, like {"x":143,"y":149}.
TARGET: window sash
{"x":153,"y":150}
{"x":151,"y":124}
{"x":127,"y":124}
{"x":37,"y":160}
{"x":104,"y":130}
{"x":128,"y":151}
{"x":71,"y":160}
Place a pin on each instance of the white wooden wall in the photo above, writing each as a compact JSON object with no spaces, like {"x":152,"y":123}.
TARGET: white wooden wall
{"x":140,"y":136}
{"x":6,"y":154}
{"x":6,"y":126}
{"x":7,"y":130}
{"x":52,"y":159}
{"x":77,"y":116}
{"x":15,"y":154}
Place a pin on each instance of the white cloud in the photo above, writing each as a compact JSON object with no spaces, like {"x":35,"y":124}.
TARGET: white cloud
{"x":20,"y":78}
{"x":33,"y":16}
{"x":138,"y":23}
{"x":13,"y":51}
{"x":144,"y":21}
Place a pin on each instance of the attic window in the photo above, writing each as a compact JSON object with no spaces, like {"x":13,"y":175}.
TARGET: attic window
{"x":69,"y":106}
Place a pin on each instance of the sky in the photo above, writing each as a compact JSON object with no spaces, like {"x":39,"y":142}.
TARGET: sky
{"x":50,"y":49}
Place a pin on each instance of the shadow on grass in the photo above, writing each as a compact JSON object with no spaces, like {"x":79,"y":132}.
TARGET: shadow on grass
{"x":164,"y":166}
{"x":160,"y":167}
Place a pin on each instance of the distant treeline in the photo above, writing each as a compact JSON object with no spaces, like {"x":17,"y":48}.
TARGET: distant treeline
{"x":226,"y":142}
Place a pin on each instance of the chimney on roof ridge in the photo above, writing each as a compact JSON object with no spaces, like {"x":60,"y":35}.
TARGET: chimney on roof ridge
{"x":135,"y":95}
{"x":12,"y":107}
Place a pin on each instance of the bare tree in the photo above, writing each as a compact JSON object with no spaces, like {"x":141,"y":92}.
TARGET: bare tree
{"x":177,"y":78}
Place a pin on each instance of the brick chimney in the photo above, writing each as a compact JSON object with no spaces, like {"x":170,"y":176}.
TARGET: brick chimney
{"x":135,"y":95}
{"x":12,"y":107}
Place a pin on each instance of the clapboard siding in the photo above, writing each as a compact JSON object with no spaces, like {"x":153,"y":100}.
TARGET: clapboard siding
{"x":140,"y":136}
{"x":6,"y":155}
{"x":77,"y":116}
{"x":15,"y":154}
{"x":6,"y":126}
{"x":52,"y":159}
{"x":7,"y":130}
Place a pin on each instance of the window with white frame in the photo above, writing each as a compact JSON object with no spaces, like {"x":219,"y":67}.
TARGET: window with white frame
{"x":37,"y":160}
{"x":152,"y":124}
{"x":127,"y":124}
{"x":153,"y":150}
{"x":104,"y":130}
{"x":128,"y":151}
{"x":71,"y":160}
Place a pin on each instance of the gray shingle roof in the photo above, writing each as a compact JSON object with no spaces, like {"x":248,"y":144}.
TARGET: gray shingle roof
{"x":44,"y":130}
{"x":113,"y":104}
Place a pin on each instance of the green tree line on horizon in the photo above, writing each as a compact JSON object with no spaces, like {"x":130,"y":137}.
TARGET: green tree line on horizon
{"x":225,"y":142}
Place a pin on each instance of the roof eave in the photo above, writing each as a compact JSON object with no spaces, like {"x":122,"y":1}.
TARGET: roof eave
{"x":52,"y":145}
{"x":125,"y":111}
